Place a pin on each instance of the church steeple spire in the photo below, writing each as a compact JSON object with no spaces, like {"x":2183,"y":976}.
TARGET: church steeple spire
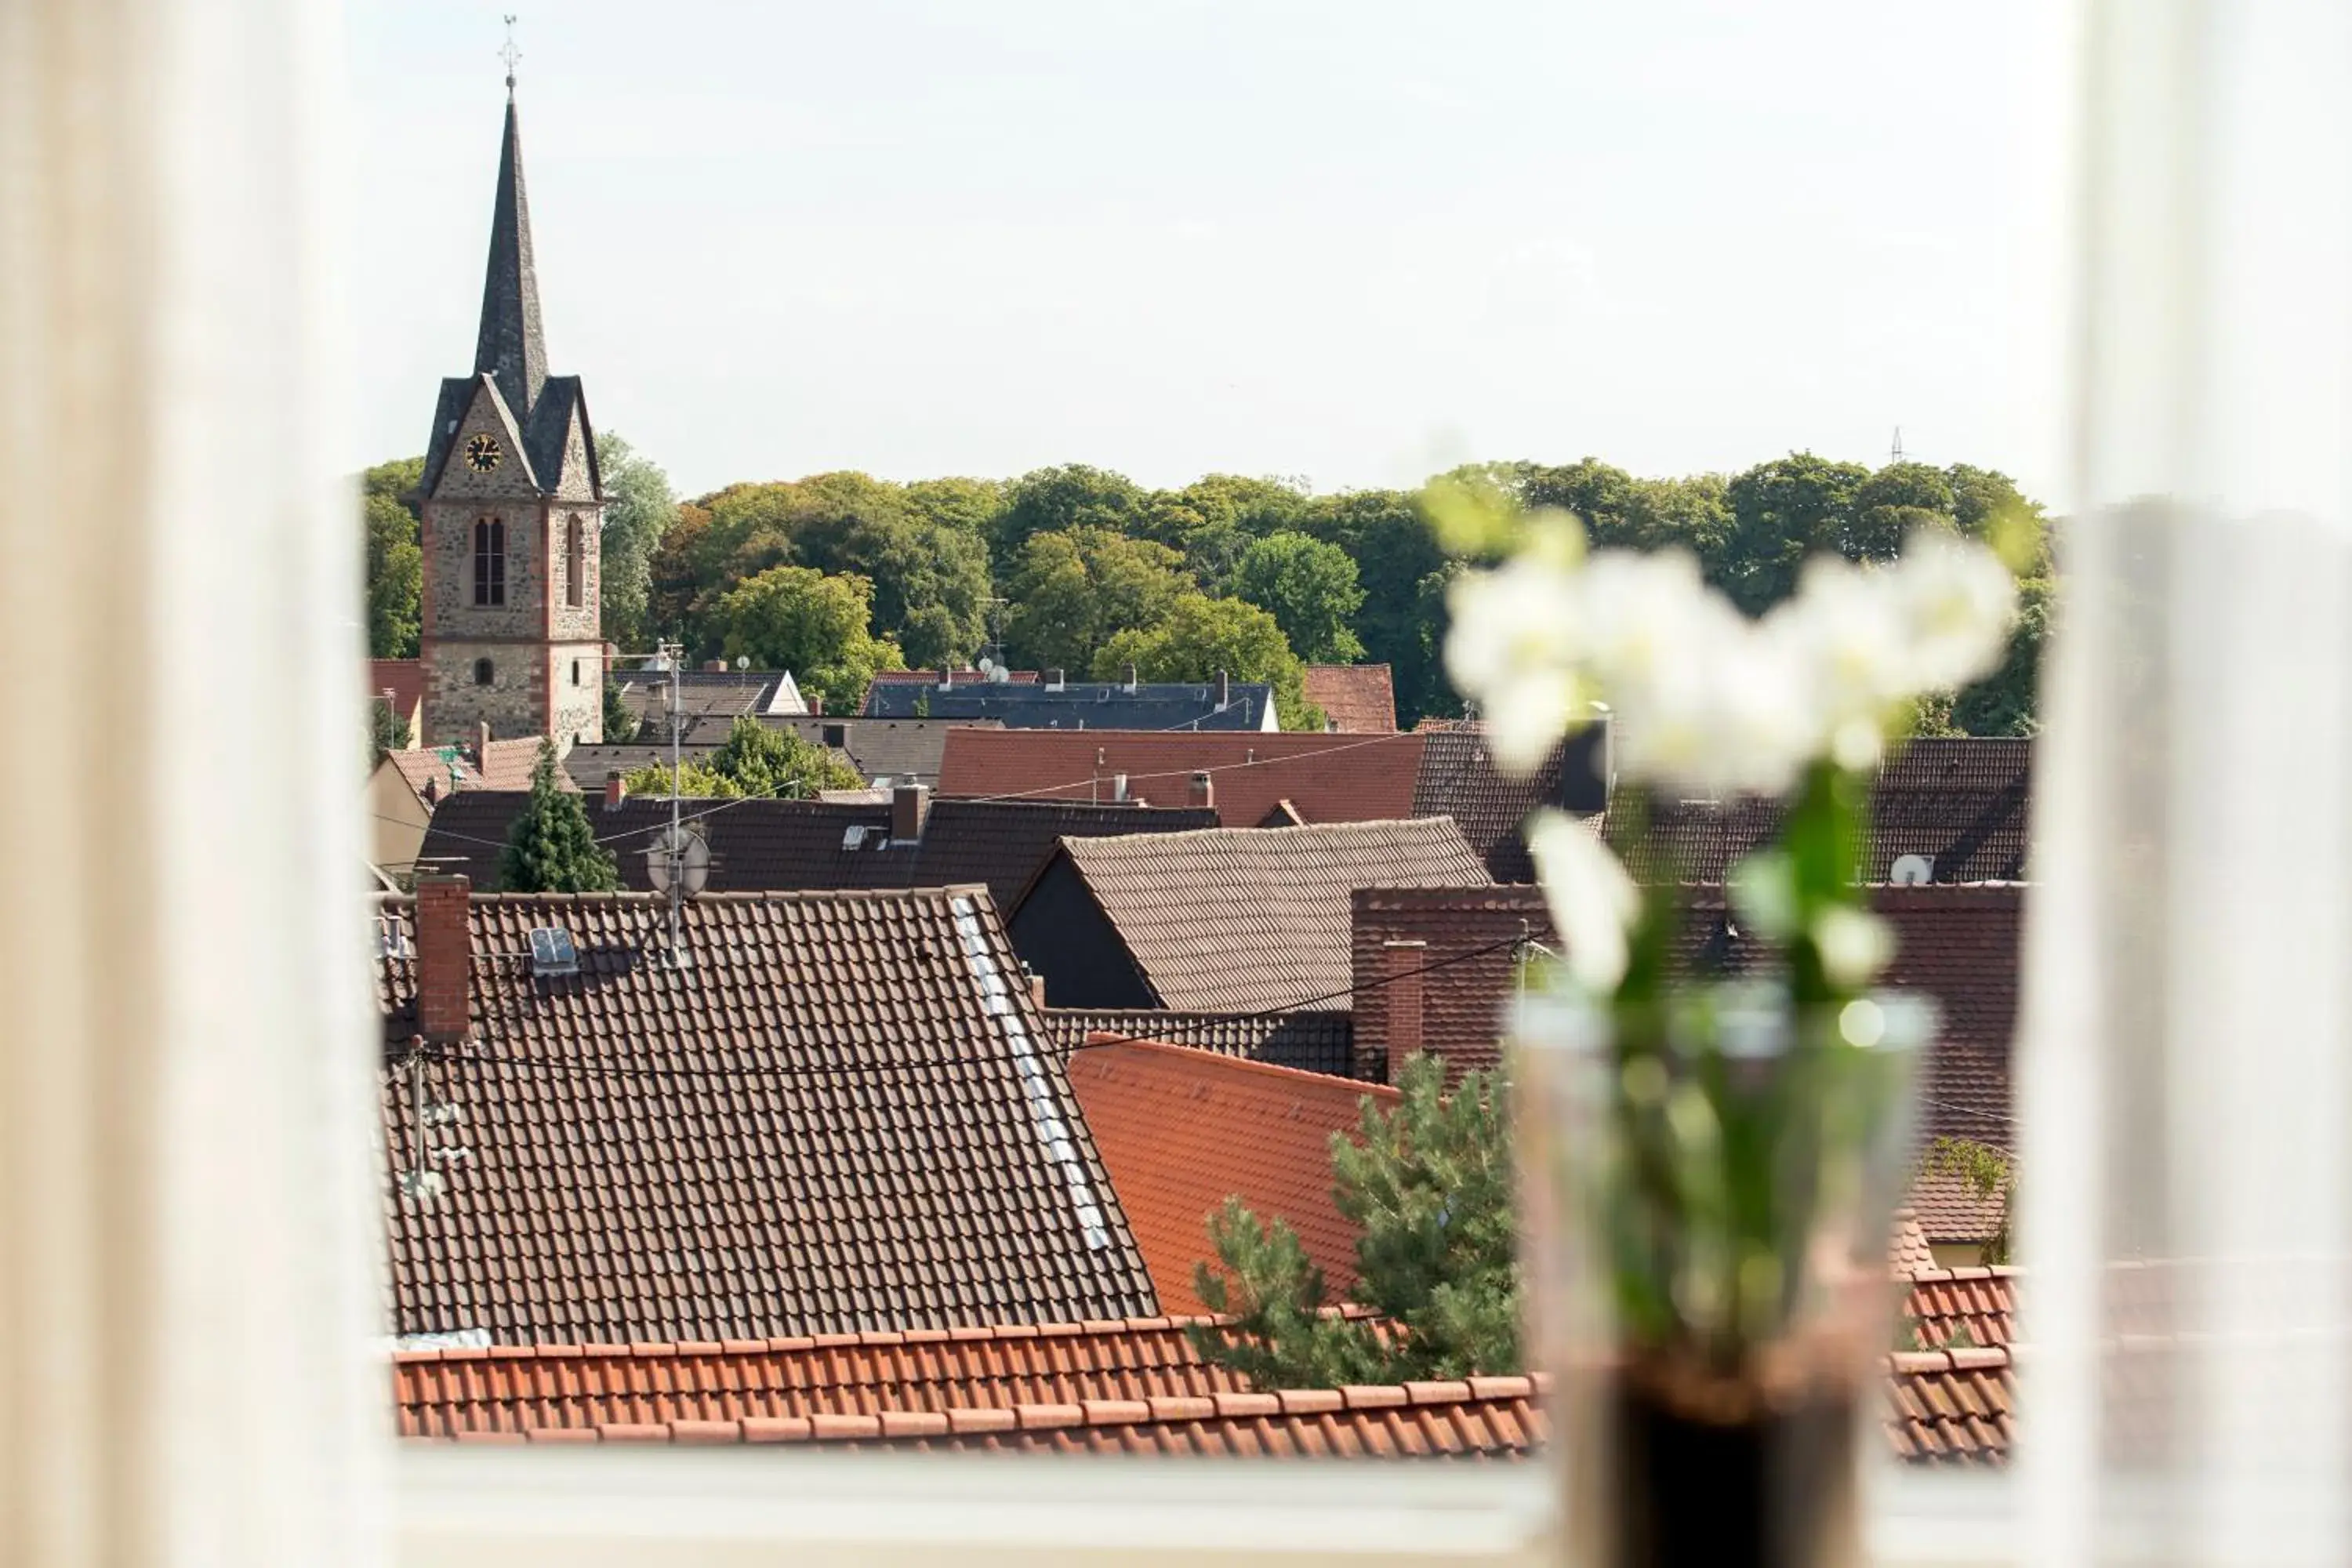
{"x":511,"y":346}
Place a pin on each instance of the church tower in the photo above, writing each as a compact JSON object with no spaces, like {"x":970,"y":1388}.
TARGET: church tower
{"x":514,"y":513}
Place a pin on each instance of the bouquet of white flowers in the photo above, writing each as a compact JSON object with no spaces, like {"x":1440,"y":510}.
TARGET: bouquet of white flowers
{"x":1708,"y":1163}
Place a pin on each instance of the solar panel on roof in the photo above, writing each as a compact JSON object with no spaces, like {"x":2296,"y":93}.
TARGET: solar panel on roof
{"x":552,"y":951}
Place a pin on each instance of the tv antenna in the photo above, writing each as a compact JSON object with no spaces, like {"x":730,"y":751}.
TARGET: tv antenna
{"x":1894,"y":453}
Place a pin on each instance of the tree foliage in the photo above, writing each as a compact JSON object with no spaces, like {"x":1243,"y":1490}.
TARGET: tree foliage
{"x":1429,"y":1185}
{"x":387,"y":730}
{"x":621,"y":725}
{"x":639,"y":511}
{"x":1198,"y":637}
{"x":819,"y":628}
{"x":1990,"y":1175}
{"x":551,"y":848}
{"x":1070,"y":590}
{"x":394,"y":592}
{"x":754,"y":760}
{"x":1311,"y":590}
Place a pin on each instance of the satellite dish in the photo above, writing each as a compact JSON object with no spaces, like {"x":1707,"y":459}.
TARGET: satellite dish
{"x":743,"y":661}
{"x":684,"y":849}
{"x":987,"y":665}
{"x":1911,"y":871}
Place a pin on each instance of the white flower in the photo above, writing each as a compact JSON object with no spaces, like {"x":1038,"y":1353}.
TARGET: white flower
{"x":1527,"y":713}
{"x":1508,"y":622}
{"x":1641,"y":615}
{"x":1592,"y":898}
{"x":1855,"y":945}
{"x":1957,"y":601}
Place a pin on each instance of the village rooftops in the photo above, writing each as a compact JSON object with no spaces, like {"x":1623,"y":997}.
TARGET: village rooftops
{"x":1222,"y":704}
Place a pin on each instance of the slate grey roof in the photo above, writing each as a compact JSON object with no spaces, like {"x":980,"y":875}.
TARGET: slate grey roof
{"x":841,"y":1118}
{"x":511,"y":346}
{"x":1079,"y":705}
{"x":1458,"y":778}
{"x":763,"y":845}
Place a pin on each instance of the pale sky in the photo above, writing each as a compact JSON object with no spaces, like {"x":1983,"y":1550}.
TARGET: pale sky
{"x":1348,"y":242}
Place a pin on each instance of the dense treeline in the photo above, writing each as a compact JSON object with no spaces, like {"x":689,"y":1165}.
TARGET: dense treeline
{"x":1080,"y":569}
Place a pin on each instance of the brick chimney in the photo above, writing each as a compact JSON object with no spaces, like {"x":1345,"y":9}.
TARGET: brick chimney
{"x":909,"y":804}
{"x":715,"y":666}
{"x":482,"y":747}
{"x":445,"y":958}
{"x":1205,"y":790}
{"x":617,"y":789}
{"x":1401,"y":1000}
{"x":1054,"y":680}
{"x":1037,"y":985}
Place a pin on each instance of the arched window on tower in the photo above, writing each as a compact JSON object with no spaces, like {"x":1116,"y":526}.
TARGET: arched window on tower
{"x":489,"y":561}
{"x":575,"y":566}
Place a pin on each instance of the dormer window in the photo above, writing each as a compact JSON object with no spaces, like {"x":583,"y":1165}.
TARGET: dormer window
{"x":489,"y":561}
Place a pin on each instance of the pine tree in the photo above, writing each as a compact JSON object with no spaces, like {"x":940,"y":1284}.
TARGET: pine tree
{"x":551,"y":848}
{"x":1429,"y":1185}
{"x":620,"y":725}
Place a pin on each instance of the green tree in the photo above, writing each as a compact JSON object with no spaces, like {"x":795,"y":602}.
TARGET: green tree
{"x":1070,"y":589}
{"x":387,"y":732}
{"x":639,"y":509}
{"x":1389,"y":538}
{"x":754,"y":760}
{"x":621,"y":725}
{"x":1891,"y":504}
{"x":1782,"y":511}
{"x":1310,"y":589}
{"x":550,"y":848}
{"x":1054,"y":500}
{"x":1199,"y":636}
{"x":395,"y":559}
{"x":2005,"y":702}
{"x":818,"y":627}
{"x":1428,"y":1185}
{"x":969,"y":506}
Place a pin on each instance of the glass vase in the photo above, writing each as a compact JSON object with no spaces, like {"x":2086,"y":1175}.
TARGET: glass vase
{"x":1706,"y":1183}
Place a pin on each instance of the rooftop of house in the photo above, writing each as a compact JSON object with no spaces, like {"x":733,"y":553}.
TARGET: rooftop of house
{"x":883,"y":751}
{"x":835,"y":1114}
{"x":760,"y":846}
{"x":1240,"y":920}
{"x":1458,"y":778}
{"x":1183,"y":1129}
{"x":1121,"y":1386}
{"x":1961,"y":805}
{"x":1054,"y":704}
{"x":709,"y":693}
{"x":1326,"y":778}
{"x":1313,"y":1039}
{"x":439,"y":773}
{"x":1356,"y":699}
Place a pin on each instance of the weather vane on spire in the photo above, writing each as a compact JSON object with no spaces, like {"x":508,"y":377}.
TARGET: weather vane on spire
{"x":510,"y":53}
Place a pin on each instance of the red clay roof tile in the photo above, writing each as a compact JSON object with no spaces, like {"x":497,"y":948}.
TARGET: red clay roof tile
{"x":1356,"y":699}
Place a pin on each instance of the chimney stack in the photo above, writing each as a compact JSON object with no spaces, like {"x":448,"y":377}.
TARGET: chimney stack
{"x":715,"y":666}
{"x":1225,"y":690}
{"x":617,"y":789}
{"x":947,"y":678}
{"x":1054,"y":680}
{"x":909,"y":804}
{"x":1036,"y":987}
{"x":482,"y":748}
{"x":1131,"y":678}
{"x":445,"y":958}
{"x":1205,"y":790}
{"x":1401,"y":1000}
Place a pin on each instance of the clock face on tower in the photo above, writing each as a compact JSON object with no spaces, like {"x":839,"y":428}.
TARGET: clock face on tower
{"x":482,"y":453}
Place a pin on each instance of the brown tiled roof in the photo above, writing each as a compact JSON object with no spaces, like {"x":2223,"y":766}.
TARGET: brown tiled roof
{"x":1907,"y":1251}
{"x":1467,"y":932}
{"x":1239,"y":920}
{"x":1329,"y":778}
{"x":1458,"y":779}
{"x":1952,"y":1407}
{"x":450,"y":771}
{"x":1356,"y":699}
{"x":761,"y":845}
{"x":1962,"y":803}
{"x":1962,"y":1308}
{"x":1310,"y":1039}
{"x":840,"y":1116}
{"x":1183,"y":1129}
{"x":1105,"y":1387}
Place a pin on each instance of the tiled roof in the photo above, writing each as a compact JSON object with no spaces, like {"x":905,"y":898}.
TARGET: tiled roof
{"x":450,"y":771}
{"x":1314,"y":1039}
{"x":1183,"y":1129}
{"x":1961,"y":803}
{"x":1907,"y":1251}
{"x":1952,"y":1407}
{"x":715,"y":693}
{"x":1960,"y":1309}
{"x":1104,"y":1387}
{"x":762,"y":846}
{"x":1458,"y":779}
{"x":904,"y":751}
{"x":1331,"y":778}
{"x":839,"y":1117}
{"x":1082,"y":705}
{"x":1470,"y":933}
{"x":1238,"y":920}
{"x":1356,"y":699}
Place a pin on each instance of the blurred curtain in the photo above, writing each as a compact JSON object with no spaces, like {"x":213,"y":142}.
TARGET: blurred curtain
{"x":185,"y":1199}
{"x":2187,"y":1054}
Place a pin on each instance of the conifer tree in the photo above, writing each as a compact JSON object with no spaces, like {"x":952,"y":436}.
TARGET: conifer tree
{"x":551,"y":848}
{"x":1429,"y":1186}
